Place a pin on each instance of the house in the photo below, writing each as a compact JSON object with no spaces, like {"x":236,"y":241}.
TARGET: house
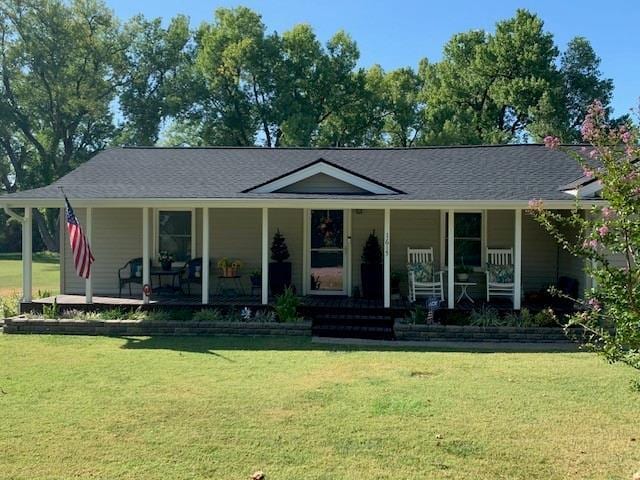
{"x":229,"y":202}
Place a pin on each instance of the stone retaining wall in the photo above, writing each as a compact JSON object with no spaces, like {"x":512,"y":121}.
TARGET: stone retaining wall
{"x":453,"y":333}
{"x":132,"y":327}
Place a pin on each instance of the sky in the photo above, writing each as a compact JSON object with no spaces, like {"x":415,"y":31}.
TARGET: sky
{"x":397,"y":34}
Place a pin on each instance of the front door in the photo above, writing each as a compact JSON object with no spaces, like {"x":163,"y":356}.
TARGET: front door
{"x":327,"y":255}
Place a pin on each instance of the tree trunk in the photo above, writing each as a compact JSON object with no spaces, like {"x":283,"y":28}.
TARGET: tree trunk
{"x":49,"y":235}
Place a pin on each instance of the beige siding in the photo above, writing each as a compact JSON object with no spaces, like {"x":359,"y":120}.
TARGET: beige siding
{"x":500,"y":228}
{"x":236,"y":235}
{"x":117,"y":238}
{"x":322,"y":183}
{"x":290,"y":223}
{"x":413,"y":228}
{"x":362,"y":223}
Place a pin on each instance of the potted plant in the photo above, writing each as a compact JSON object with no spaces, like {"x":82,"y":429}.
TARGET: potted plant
{"x":279,"y":269}
{"x":463,"y":271}
{"x":165,"y":259}
{"x":395,"y":285}
{"x":236,"y":265}
{"x":371,"y":274}
{"x":256,"y":278}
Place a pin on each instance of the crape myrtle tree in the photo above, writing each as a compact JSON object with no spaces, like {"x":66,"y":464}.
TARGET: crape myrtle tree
{"x":608,"y":237}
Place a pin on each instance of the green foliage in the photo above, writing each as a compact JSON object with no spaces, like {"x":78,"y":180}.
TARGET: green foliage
{"x":371,"y":252}
{"x":279,"y":249}
{"x":264,"y":316}
{"x":158,"y":315}
{"x":51,"y":311}
{"x":208,"y":315}
{"x":9,"y":306}
{"x":286,"y":307}
{"x":485,"y":317}
{"x":417,"y":315}
{"x":607,"y":237}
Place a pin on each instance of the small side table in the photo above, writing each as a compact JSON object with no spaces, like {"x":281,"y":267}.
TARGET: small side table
{"x":463,"y":290}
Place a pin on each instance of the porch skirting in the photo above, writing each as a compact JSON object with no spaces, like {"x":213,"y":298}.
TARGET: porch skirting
{"x":468,"y":333}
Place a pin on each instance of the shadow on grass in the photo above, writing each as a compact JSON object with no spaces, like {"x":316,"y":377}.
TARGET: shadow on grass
{"x":209,"y":345}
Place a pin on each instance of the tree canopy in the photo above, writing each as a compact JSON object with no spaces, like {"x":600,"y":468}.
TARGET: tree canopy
{"x":76,"y":80}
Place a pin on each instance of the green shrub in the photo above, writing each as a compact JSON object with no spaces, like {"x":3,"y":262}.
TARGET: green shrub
{"x":233,"y":315}
{"x":51,"y":311}
{"x":113,"y":314}
{"x":159,"y":316}
{"x":417,"y":315}
{"x":43,"y":294}
{"x":287,"y":306}
{"x":207,"y":315}
{"x":264,"y":316}
{"x":485,"y":317}
{"x":9,"y":306}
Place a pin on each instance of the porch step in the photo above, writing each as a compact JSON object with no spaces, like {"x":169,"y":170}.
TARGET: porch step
{"x":377,"y":327}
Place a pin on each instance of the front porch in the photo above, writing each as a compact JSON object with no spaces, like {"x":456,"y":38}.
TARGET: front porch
{"x":244,"y":233}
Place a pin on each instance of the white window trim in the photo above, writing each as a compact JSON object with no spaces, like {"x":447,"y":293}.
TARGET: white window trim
{"x":156,"y":231}
{"x":330,"y":170}
{"x":483,"y":237}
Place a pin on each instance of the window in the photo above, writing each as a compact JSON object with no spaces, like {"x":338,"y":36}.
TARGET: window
{"x":467,"y":238}
{"x":175,"y":233}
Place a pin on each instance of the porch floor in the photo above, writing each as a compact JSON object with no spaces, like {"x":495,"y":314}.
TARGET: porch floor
{"x":311,"y":301}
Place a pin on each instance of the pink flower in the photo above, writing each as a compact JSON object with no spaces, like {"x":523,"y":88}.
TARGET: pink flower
{"x":551,"y":142}
{"x":595,"y":304}
{"x":594,"y":153}
{"x":608,"y":213}
{"x":536,"y":204}
{"x":625,"y":137}
{"x":587,"y":172}
{"x":590,"y":244}
{"x":603,"y":230}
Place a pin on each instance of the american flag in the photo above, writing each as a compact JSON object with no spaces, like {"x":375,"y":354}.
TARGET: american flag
{"x":82,"y":256}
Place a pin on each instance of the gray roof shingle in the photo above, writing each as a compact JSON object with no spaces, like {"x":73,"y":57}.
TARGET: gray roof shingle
{"x":499,"y":172}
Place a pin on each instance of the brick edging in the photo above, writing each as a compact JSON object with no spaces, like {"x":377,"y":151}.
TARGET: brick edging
{"x":135,"y":327}
{"x":468,"y":333}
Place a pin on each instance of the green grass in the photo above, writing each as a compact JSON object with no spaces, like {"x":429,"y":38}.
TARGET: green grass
{"x":46,"y":273}
{"x":221,"y":408}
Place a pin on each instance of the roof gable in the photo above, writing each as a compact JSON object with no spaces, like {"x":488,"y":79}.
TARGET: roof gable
{"x":322,"y":177}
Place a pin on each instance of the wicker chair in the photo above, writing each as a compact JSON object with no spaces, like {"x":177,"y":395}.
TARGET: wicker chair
{"x":192,"y":273}
{"x":130,"y":273}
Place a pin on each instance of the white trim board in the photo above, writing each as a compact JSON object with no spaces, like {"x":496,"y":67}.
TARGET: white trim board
{"x":325,"y":168}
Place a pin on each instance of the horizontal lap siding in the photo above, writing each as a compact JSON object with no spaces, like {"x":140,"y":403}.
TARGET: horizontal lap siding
{"x":116,"y":239}
{"x":235,"y":234}
{"x":290,"y":223}
{"x":416,"y":229}
{"x":362,"y":223}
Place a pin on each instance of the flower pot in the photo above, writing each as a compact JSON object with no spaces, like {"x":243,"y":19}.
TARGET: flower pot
{"x":279,"y":277}
{"x":462,"y":277}
{"x":371,"y":276}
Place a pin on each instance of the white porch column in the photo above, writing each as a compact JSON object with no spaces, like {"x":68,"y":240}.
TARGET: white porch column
{"x":451,"y":260}
{"x":265,"y":256}
{"x":27,"y":252}
{"x":205,"y":255}
{"x":88,"y":283}
{"x":146,"y":274}
{"x":517,"y":260}
{"x":387,"y":258}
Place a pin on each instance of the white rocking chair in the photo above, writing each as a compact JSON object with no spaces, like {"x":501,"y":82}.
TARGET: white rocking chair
{"x":423,"y":288}
{"x":499,"y":257}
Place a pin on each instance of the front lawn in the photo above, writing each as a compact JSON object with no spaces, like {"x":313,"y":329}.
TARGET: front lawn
{"x":221,"y":408}
{"x":45,"y":275}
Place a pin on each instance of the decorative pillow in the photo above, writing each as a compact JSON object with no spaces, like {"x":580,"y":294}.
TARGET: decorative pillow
{"x":500,"y":273}
{"x":423,"y":272}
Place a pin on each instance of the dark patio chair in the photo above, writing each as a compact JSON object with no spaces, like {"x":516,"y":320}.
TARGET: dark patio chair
{"x":192,"y":273}
{"x":130,"y":273}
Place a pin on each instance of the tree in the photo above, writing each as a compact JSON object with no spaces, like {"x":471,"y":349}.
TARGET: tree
{"x":156,"y":79}
{"x":510,"y":85}
{"x":608,"y":238}
{"x":60,"y":66}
